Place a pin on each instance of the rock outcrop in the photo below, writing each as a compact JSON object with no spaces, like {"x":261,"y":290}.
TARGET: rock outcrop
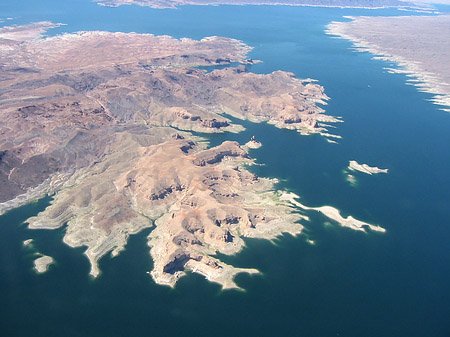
{"x":353,"y":165}
{"x":42,"y":263}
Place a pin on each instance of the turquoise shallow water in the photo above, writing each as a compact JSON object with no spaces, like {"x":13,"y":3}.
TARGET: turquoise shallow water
{"x":348,"y":284}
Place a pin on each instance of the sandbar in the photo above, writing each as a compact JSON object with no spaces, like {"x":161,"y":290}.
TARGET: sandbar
{"x":334,"y":214}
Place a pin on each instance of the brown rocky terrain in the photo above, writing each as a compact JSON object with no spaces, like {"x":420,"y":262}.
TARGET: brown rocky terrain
{"x":107,"y":131}
{"x":203,"y":200}
{"x":61,"y":97}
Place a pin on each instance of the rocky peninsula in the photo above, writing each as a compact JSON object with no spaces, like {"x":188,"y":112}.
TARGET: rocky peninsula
{"x":418,"y":44}
{"x":108,"y":133}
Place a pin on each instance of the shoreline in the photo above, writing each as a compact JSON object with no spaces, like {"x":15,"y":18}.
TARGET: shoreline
{"x":46,"y":188}
{"x":426,"y":82}
{"x":115,"y":3}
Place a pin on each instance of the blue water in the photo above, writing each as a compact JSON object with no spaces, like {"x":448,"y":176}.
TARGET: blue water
{"x":349,"y":283}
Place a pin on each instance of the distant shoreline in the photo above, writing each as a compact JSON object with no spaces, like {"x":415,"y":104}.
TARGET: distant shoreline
{"x":166,"y":4}
{"x":429,"y":81}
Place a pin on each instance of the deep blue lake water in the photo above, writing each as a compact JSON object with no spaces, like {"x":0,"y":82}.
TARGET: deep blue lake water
{"x":348,"y":283}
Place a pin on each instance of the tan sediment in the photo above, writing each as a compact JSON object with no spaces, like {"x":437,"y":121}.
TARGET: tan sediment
{"x":418,"y":44}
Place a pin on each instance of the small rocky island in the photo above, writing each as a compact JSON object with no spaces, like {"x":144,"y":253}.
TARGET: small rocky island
{"x":253,"y":143}
{"x":108,"y":133}
{"x":353,"y":165}
{"x":42,"y":263}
